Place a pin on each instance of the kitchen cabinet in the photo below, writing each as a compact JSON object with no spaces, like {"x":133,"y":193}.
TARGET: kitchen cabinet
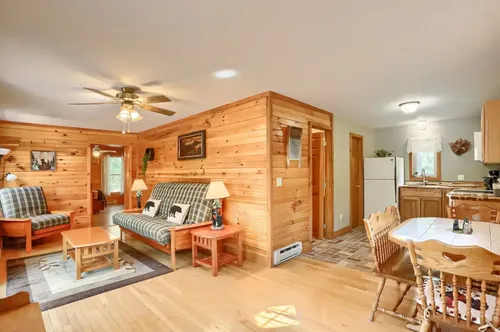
{"x":431,"y":207}
{"x":490,"y":122}
{"x":409,"y":207}
{"x":445,"y":201}
{"x":420,"y":202}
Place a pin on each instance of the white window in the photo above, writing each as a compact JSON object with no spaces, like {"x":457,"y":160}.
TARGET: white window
{"x":425,"y":163}
{"x":114,"y":175}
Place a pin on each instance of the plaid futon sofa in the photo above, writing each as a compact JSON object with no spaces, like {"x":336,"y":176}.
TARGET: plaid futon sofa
{"x":169,"y":193}
{"x":29,"y":202}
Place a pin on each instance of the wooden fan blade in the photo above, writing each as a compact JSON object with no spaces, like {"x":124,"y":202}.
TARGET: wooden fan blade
{"x":156,"y":110}
{"x":104,"y":103}
{"x":101,"y":93}
{"x":154,"y":99}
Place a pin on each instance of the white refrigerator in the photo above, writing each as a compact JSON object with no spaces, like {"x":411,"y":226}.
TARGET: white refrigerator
{"x":383,"y":177}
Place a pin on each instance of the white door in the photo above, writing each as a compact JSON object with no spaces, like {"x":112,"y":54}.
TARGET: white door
{"x":379,"y":168}
{"x":379,"y":194}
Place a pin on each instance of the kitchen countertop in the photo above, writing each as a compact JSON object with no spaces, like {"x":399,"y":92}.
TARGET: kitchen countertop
{"x":474,"y":196}
{"x":444,"y":185}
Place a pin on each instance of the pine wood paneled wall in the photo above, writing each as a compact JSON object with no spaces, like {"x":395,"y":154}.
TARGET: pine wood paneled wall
{"x":65,"y":188}
{"x":236,"y":136}
{"x":290,"y":204}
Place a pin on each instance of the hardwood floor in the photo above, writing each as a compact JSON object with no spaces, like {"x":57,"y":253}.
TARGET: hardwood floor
{"x":103,"y":219}
{"x":300,"y":295}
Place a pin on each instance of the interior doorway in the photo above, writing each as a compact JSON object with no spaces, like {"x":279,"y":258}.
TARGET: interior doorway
{"x":356,"y":179}
{"x":318,"y":182}
{"x":107,"y":182}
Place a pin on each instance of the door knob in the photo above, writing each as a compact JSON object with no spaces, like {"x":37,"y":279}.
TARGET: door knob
{"x":358,"y":186}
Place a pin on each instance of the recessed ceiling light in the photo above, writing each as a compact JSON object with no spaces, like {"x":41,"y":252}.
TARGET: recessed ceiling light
{"x":225,"y":73}
{"x":409,"y":106}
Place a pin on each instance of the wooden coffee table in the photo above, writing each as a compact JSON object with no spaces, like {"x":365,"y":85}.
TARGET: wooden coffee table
{"x":91,"y":247}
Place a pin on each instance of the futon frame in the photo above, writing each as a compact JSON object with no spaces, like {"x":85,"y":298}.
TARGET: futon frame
{"x":180,"y":237}
{"x":21,"y":227}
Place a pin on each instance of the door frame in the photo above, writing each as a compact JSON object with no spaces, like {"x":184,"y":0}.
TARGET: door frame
{"x":321,"y":188}
{"x":351,"y":177}
{"x":328,"y":207}
{"x":127,"y":159}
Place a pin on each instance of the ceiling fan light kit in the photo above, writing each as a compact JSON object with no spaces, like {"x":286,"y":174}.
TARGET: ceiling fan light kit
{"x":129,"y":100}
{"x":409,"y":106}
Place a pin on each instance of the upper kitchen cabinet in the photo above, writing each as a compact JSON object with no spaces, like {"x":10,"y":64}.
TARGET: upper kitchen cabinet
{"x":490,"y":125}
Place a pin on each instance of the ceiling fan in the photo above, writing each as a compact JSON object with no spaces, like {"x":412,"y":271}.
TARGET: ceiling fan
{"x":96,"y":151}
{"x":128,"y":99}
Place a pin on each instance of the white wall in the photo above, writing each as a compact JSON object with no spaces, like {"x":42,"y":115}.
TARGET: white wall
{"x":341,"y":164}
{"x":395,"y":138}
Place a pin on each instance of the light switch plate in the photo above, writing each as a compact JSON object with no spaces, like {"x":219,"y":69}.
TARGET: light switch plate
{"x":461,"y":177}
{"x":279,"y":182}
{"x":341,"y":215}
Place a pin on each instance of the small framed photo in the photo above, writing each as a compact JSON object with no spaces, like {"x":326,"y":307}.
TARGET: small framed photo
{"x":43,"y":160}
{"x":192,"y":145}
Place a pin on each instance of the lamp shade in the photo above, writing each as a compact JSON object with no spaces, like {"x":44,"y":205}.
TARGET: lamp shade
{"x":4,"y":151}
{"x":11,"y":177}
{"x":217,"y":189}
{"x":139,"y":185}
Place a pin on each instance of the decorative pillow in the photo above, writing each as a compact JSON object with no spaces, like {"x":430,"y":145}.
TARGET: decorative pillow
{"x":151,"y":207}
{"x":178,"y":213}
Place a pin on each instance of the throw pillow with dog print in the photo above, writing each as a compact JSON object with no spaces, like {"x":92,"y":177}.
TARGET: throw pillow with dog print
{"x":151,"y":207}
{"x":178,"y":213}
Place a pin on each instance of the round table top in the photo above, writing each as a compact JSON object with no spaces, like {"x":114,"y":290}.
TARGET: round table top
{"x":209,"y":233}
{"x":485,"y":234}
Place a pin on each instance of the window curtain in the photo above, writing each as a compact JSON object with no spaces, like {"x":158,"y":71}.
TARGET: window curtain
{"x":425,"y":144}
{"x":104,"y":174}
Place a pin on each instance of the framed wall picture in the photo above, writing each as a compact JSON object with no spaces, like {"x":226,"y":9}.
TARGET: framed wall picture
{"x":192,"y":145}
{"x":43,"y":160}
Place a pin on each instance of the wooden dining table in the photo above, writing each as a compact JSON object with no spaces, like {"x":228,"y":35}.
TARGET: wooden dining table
{"x":485,"y":234}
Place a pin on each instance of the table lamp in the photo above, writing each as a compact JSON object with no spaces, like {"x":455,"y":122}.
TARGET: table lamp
{"x":217,"y":191}
{"x":137,"y":186}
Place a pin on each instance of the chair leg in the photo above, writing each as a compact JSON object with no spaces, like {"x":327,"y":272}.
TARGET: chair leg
{"x":415,"y":312}
{"x":381,"y":285}
{"x":400,"y":300}
{"x":426,"y":326}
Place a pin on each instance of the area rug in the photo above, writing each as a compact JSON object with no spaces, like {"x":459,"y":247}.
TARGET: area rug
{"x":52,"y":281}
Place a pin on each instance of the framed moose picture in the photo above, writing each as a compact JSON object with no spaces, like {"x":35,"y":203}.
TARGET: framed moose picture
{"x":43,"y":160}
{"x":192,"y":145}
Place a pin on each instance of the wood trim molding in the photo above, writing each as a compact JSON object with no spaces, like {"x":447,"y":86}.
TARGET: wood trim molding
{"x":342,"y":231}
{"x":419,"y":178}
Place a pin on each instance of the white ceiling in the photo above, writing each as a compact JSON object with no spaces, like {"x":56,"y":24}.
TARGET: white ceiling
{"x":358,"y":59}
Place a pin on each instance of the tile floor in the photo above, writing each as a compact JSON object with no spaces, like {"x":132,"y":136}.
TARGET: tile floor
{"x":352,"y":250}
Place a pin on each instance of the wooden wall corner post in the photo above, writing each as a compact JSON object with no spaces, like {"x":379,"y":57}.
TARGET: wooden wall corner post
{"x":310,"y":158}
{"x":128,"y":176}
{"x":270,"y":179}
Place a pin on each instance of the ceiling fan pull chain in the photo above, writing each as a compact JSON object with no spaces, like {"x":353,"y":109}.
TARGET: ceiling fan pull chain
{"x":123,"y":128}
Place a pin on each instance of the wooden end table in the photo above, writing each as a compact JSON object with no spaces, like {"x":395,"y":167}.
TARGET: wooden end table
{"x":207,"y":238}
{"x":91,"y":246}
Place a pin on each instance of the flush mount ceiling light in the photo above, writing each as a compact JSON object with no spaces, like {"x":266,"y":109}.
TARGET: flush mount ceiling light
{"x":409,"y":106}
{"x":225,"y":73}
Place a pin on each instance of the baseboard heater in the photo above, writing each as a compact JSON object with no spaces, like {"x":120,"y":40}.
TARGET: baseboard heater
{"x":283,"y":254}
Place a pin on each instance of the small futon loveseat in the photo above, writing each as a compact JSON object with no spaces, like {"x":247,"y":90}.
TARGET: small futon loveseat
{"x":157,"y":231}
{"x":24,"y":213}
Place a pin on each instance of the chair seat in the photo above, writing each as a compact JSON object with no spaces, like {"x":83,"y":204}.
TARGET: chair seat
{"x":398,"y":268}
{"x":48,"y":220}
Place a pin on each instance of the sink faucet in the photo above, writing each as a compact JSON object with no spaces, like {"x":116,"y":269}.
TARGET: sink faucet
{"x":424,"y":180}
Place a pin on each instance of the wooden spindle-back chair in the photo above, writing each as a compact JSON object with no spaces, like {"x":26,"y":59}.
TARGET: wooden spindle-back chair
{"x":462,"y":275}
{"x":485,"y":212}
{"x":391,"y":261}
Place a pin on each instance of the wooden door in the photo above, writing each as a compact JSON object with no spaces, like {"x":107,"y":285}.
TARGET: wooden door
{"x":356,"y":177}
{"x":430,"y":207}
{"x":409,"y":207}
{"x":318,"y":183}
